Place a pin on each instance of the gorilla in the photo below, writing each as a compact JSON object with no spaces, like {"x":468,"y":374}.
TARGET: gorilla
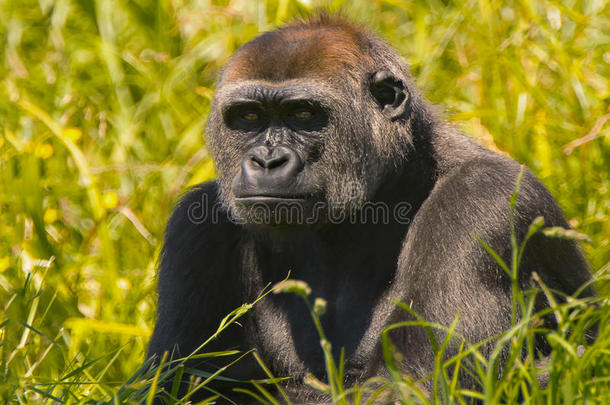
{"x":335,"y":170}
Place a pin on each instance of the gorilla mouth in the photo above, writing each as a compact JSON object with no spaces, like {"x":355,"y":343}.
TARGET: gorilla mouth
{"x":273,"y":210}
{"x":270,"y":199}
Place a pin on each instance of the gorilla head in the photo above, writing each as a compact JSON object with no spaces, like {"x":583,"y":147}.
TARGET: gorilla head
{"x":315,"y":112}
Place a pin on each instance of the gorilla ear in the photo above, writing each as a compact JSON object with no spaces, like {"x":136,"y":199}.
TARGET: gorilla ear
{"x":390,"y":93}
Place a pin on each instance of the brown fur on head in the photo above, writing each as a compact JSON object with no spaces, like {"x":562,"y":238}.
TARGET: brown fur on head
{"x":322,"y":46}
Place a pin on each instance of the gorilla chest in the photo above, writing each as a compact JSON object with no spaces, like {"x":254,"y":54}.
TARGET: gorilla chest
{"x":282,"y":326}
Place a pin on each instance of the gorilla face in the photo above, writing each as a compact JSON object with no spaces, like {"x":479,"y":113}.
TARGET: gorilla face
{"x":292,"y":147}
{"x":280,"y":132}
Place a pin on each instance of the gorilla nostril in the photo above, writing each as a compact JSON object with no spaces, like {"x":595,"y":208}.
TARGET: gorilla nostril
{"x":258,"y":161}
{"x":277,"y":162}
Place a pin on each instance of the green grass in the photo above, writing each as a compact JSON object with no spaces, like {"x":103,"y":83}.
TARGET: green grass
{"x":102,"y":106}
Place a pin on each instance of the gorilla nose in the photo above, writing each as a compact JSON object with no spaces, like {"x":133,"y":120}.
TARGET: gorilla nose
{"x":280,"y":162}
{"x":268,"y":171}
{"x":269,"y":159}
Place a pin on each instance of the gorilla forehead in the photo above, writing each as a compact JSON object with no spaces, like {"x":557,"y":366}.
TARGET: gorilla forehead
{"x":301,"y":50}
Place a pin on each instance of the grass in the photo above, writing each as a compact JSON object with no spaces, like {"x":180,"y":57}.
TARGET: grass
{"x":102,"y":106}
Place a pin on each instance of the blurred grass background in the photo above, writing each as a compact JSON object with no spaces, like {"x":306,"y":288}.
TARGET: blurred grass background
{"x":102,"y":108}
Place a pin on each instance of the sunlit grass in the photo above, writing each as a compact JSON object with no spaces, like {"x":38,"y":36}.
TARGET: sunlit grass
{"x":102,"y":107}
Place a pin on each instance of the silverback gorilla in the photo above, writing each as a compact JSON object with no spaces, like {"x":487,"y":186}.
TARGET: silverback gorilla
{"x":333,"y":167}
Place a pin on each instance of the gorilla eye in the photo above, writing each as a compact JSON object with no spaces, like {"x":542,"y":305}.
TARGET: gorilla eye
{"x":250,"y":116}
{"x":303,"y":114}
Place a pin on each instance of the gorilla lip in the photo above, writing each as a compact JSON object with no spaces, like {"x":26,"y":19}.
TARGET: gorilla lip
{"x":268,"y":199}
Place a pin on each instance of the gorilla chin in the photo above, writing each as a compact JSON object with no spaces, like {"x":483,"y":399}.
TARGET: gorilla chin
{"x":264,"y":210}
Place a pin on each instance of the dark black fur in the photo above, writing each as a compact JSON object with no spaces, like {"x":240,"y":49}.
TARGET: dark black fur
{"x":374,"y":134}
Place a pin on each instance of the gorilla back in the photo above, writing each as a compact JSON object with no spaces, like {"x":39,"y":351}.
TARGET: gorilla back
{"x":333,"y":167}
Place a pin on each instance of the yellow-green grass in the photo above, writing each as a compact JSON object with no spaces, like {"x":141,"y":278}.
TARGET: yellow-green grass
{"x":102,"y":108}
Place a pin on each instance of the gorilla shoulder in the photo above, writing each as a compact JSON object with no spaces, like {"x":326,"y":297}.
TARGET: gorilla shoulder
{"x":199,"y":205}
{"x":485,"y":181}
{"x":188,"y":233}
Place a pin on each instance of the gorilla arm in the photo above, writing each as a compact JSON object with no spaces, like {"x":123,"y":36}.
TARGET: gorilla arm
{"x":198,"y":269}
{"x":443,"y":270}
